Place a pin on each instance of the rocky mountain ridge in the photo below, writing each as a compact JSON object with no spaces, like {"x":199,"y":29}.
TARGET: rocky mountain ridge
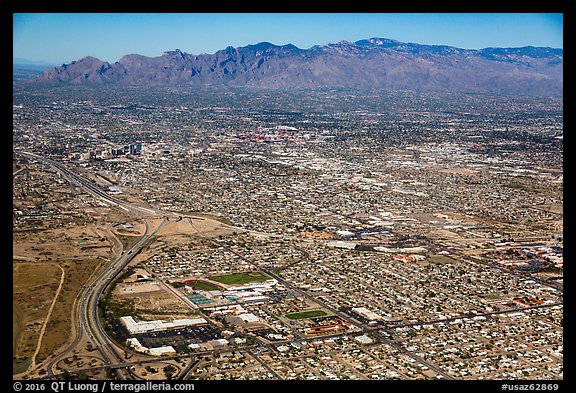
{"x":364,"y":64}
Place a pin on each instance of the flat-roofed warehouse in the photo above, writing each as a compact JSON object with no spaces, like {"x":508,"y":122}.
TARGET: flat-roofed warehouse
{"x":368,"y":314}
{"x":245,"y":320}
{"x":134,"y":327}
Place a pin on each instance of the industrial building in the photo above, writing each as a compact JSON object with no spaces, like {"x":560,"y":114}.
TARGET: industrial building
{"x":247,"y":320}
{"x":134,"y":327}
{"x":364,"y":312}
{"x":320,"y":329}
{"x":166,"y":350}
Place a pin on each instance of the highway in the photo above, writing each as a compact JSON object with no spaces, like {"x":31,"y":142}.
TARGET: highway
{"x":88,"y":315}
{"x":89,"y":186}
{"x":87,"y":318}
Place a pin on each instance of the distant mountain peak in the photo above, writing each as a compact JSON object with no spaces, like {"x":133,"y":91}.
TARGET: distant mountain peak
{"x":89,"y":60}
{"x":375,"y":41}
{"x":383,"y":41}
{"x":365,"y":64}
{"x":175,"y":52}
{"x":263,"y":45}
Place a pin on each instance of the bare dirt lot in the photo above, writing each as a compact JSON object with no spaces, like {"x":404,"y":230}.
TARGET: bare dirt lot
{"x":79,"y":251}
{"x":155,"y":305}
{"x":33,"y":291}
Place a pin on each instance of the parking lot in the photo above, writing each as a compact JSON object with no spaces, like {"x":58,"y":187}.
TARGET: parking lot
{"x":177,"y":338}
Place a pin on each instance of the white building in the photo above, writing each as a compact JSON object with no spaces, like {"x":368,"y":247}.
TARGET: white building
{"x":134,"y":327}
{"x":245,"y":320}
{"x":167,"y":350}
{"x":364,"y":339}
{"x":159,"y":351}
{"x":370,"y":315}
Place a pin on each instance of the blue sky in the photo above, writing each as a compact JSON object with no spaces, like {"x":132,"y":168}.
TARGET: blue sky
{"x":62,"y":38}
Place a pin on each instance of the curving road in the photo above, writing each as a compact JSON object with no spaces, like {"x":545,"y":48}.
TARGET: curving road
{"x":89,"y":316}
{"x":87,"y":319}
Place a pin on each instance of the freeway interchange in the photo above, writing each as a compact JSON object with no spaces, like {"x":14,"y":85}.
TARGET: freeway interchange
{"x":88,"y":325}
{"x":88,"y":321}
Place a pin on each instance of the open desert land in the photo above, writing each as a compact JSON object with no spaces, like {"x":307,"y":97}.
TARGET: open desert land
{"x":74,"y":257}
{"x":33,"y":293}
{"x":76,"y":245}
{"x":69,"y":246}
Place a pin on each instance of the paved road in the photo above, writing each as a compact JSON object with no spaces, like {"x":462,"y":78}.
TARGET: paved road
{"x":89,"y":320}
{"x":90,"y":186}
{"x":359,"y":326}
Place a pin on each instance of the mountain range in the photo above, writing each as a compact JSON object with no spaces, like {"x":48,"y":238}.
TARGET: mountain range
{"x":365,"y":64}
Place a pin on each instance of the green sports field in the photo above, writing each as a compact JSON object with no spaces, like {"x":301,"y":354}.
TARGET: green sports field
{"x":306,"y":314}
{"x":239,"y":278}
